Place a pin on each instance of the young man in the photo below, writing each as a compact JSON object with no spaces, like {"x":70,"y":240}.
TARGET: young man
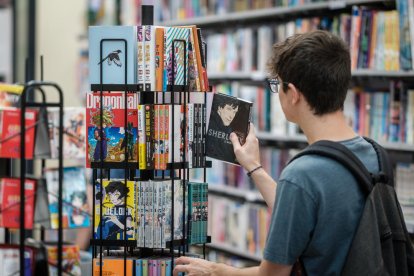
{"x":317,"y":206}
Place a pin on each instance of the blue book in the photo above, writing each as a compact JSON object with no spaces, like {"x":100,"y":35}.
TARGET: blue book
{"x":138,"y":267}
{"x":168,"y":268}
{"x":116,"y":55}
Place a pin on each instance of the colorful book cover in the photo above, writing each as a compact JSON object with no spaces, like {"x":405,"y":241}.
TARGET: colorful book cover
{"x":228,"y":114}
{"x":10,"y":133}
{"x":159,"y":58}
{"x":110,"y":143}
{"x":10,"y":260}
{"x":10,"y":202}
{"x":142,"y":158}
{"x":180,"y":59}
{"x":149,"y":54}
{"x":113,"y":267}
{"x":74,"y":132}
{"x":116,"y":54}
{"x":75,"y":211}
{"x":70,"y":260}
{"x":10,"y":95}
{"x":111,"y":224}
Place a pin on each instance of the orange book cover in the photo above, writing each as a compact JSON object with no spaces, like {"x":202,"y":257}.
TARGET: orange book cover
{"x":112,"y":267}
{"x":159,"y":58}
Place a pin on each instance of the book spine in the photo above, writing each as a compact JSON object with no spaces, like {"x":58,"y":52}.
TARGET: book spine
{"x":159,"y":58}
{"x":141,"y":138}
{"x":149,"y":135}
{"x":141,"y":56}
{"x":190,"y":134}
{"x":149,"y":54}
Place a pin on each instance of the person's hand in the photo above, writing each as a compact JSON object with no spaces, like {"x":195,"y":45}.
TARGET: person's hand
{"x":247,"y":155}
{"x":194,"y":266}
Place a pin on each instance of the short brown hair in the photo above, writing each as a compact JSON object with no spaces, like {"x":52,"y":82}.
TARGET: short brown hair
{"x":318,"y":64}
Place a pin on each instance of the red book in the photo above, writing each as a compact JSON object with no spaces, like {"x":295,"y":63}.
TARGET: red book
{"x":10,"y":133}
{"x":109,"y":143}
{"x":10,"y":202}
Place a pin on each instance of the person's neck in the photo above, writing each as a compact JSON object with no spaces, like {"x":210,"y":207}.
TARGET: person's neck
{"x":331,"y":127}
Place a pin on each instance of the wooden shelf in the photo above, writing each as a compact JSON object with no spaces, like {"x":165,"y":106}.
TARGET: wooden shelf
{"x":271,"y":13}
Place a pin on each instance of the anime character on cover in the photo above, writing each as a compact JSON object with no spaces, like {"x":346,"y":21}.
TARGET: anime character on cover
{"x":101,"y":148}
{"x":114,"y":215}
{"x":78,"y":213}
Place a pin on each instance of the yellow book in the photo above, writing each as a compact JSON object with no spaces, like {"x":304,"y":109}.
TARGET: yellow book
{"x":111,"y":225}
{"x":141,"y":138}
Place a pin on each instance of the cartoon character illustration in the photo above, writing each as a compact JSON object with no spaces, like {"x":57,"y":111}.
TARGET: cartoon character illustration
{"x":101,"y":149}
{"x":112,"y":57}
{"x":114,"y":215}
{"x":129,"y":136}
{"x":79,"y":208}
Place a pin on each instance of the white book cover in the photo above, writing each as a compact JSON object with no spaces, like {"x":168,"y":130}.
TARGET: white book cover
{"x":141,"y":56}
{"x":149,"y":60}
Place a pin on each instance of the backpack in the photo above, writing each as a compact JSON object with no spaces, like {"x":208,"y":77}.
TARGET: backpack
{"x":381,"y":244}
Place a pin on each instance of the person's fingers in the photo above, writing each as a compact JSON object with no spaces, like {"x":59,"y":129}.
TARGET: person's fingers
{"x":252,"y":133}
{"x":235,"y":141}
{"x":180,"y":268}
{"x":183,"y":260}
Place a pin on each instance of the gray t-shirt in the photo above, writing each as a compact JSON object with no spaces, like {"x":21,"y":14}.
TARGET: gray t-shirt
{"x":317,"y":209}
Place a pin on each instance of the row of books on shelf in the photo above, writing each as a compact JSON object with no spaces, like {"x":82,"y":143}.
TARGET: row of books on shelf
{"x":150,"y":214}
{"x":144,"y":55}
{"x":151,"y":266}
{"x":386,"y":115}
{"x":155,"y":133}
{"x":373,"y":36}
{"x":182,"y":9}
{"x":41,"y":200}
{"x":40,"y":260}
{"x":221,"y":173}
{"x":242,"y":226}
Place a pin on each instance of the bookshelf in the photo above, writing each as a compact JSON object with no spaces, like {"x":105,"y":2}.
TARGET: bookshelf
{"x":275,"y":13}
{"x":254,"y":18}
{"x":231,"y":250}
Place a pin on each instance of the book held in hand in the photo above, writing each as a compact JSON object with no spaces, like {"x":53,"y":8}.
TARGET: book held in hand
{"x":228,"y":114}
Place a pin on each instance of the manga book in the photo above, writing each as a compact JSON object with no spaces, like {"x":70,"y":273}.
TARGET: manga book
{"x":109,"y":143}
{"x":113,"y":196}
{"x":228,"y":114}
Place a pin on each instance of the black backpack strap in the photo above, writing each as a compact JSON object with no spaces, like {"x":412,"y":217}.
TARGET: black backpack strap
{"x":386,"y":172}
{"x":344,"y":156}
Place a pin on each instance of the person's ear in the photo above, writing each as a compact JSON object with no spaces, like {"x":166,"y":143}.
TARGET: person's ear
{"x":295,"y":94}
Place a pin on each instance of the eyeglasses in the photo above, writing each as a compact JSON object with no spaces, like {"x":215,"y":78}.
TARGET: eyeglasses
{"x":274,"y":84}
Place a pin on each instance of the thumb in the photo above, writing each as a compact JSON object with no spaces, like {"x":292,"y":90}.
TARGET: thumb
{"x":235,"y":140}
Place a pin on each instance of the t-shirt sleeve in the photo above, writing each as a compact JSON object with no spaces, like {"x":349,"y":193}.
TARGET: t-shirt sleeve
{"x":292,"y":223}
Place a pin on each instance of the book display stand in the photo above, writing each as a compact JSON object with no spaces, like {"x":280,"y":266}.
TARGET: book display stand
{"x":23,"y":147}
{"x":174,"y":95}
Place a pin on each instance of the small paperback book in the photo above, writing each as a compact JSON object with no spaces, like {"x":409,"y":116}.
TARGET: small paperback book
{"x":228,"y":114}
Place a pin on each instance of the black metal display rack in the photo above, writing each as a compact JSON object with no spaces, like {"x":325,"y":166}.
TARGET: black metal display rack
{"x":30,"y":87}
{"x":178,"y":170}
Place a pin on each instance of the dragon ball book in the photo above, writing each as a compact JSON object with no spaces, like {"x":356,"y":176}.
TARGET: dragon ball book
{"x":228,"y":114}
{"x":118,"y":53}
{"x":114,"y":195}
{"x":115,"y":139}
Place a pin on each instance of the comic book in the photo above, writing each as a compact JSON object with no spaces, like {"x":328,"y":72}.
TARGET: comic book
{"x":74,"y":132}
{"x":10,"y":202}
{"x":75,"y":211}
{"x":116,"y":54}
{"x":113,"y":195}
{"x":70,"y":260}
{"x":112,"y":266}
{"x":109,"y":143}
{"x":10,"y":132}
{"x":228,"y":114}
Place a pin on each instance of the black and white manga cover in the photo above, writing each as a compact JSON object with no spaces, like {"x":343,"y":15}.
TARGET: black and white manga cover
{"x":228,"y":114}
